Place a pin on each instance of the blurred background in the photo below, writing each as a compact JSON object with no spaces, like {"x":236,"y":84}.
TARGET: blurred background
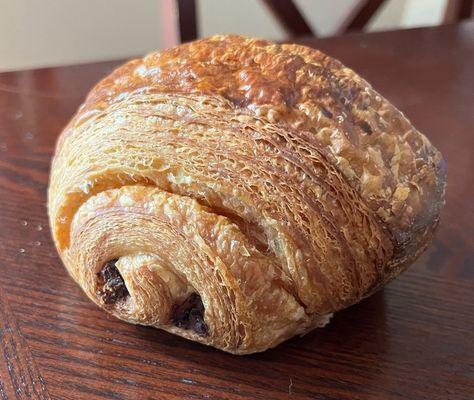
{"x":37,"y":33}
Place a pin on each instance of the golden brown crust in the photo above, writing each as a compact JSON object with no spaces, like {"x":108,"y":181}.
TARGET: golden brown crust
{"x":325,"y":184}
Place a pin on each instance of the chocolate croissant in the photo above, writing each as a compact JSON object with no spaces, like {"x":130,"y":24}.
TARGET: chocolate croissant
{"x":237,"y":192}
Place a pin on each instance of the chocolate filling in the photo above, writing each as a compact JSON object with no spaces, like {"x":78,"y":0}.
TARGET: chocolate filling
{"x":113,"y":287}
{"x":365,"y":127}
{"x":190,"y":315}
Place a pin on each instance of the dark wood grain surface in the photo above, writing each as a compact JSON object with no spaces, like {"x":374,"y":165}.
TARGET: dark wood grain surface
{"x":412,"y":340}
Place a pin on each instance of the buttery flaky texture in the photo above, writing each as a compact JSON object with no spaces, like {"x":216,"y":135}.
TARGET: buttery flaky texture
{"x":237,"y":192}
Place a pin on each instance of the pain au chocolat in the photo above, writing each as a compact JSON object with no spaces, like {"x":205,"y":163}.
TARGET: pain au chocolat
{"x":237,"y":192}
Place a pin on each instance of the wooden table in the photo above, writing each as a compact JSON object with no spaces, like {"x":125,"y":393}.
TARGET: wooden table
{"x":413,"y":340}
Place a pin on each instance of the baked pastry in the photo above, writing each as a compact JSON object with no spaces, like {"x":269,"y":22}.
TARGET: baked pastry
{"x":237,"y":192}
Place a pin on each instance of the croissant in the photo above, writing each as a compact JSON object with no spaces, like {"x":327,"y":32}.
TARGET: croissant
{"x":238,"y":192}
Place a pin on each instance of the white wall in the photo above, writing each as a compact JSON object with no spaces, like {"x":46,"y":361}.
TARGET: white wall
{"x":54,"y":32}
{"x":37,"y":33}
{"x":423,"y":13}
